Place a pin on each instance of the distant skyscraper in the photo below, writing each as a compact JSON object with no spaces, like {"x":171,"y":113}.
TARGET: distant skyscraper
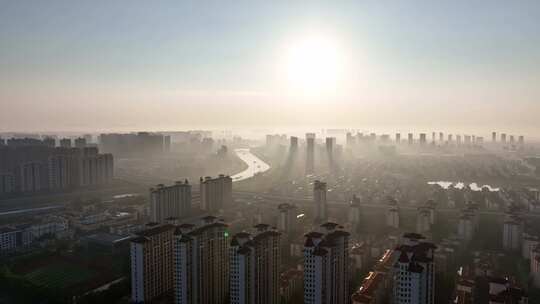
{"x":410,"y":138}
{"x":512,"y":233}
{"x":65,"y":143}
{"x":350,"y":140}
{"x":441,"y":137}
{"x":392,"y":214}
{"x":423,"y":224}
{"x":521,"y":140}
{"x":170,"y":202}
{"x":414,"y":281}
{"x":423,"y":139}
{"x":310,"y":153}
{"x":466,"y":227}
{"x":330,"y":147}
{"x":63,"y":171}
{"x":503,"y":138}
{"x":398,"y":138}
{"x":49,"y":142}
{"x":152,"y":263}
{"x":320,"y":213}
{"x":33,"y":177}
{"x":287,"y":218}
{"x":293,"y":147}
{"x":167,"y":143}
{"x":80,"y":142}
{"x":216,"y":193}
{"x":494,"y":137}
{"x":355,"y":215}
{"x":201,"y":263}
{"x":254,"y":267}
{"x":326,"y":266}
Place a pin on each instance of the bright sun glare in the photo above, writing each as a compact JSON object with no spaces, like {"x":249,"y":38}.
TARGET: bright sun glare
{"x":314,"y":66}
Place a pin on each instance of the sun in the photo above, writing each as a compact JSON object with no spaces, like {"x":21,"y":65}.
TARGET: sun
{"x":313,"y":65}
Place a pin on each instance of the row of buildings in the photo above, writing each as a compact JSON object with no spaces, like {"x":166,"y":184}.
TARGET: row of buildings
{"x":139,"y":144}
{"x":30,"y":169}
{"x":21,"y":236}
{"x":175,"y":201}
{"x":201,"y":263}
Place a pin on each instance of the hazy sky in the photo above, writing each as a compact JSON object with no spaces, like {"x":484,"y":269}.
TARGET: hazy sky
{"x":127,"y":65}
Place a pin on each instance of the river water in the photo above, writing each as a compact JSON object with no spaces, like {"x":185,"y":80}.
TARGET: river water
{"x":460,"y":185}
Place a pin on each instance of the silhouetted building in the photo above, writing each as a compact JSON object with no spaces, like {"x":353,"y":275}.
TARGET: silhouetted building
{"x":170,"y":201}
{"x":287,"y":218}
{"x":310,"y":153}
{"x":216,"y":193}
{"x":65,"y":143}
{"x":293,"y":147}
{"x":80,"y":142}
{"x":320,"y":208}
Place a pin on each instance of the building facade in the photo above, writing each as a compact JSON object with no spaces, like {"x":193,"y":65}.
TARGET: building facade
{"x":414,"y":271}
{"x":152,"y":263}
{"x":254,"y":266}
{"x":170,"y":201}
{"x":201,"y":262}
{"x":326,"y":266}
{"x":216,"y":193}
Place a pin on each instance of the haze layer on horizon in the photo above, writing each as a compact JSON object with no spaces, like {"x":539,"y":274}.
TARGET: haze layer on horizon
{"x":134,"y":65}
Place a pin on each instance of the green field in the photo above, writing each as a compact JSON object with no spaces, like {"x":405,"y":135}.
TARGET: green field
{"x":59,"y":275}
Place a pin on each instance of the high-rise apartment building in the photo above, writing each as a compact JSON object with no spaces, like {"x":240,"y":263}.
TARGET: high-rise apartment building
{"x":512,"y":233}
{"x":80,"y":142}
{"x":320,"y":208}
{"x":152,"y":263}
{"x":254,"y":267}
{"x":65,"y":143}
{"x":287,"y":218}
{"x":63,"y":171}
{"x":410,"y":138}
{"x":355,"y":215}
{"x":33,"y":177}
{"x":201,"y":262}
{"x":423,"y":221}
{"x":293,"y":146}
{"x":170,"y":201}
{"x":414,"y":273}
{"x":326,"y":266}
{"x":392,"y":214}
{"x":216,"y":193}
{"x":310,"y":153}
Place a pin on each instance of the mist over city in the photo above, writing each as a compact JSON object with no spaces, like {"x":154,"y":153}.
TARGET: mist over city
{"x":270,"y":152}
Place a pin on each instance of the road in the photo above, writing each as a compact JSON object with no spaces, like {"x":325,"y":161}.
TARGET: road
{"x":255,"y":165}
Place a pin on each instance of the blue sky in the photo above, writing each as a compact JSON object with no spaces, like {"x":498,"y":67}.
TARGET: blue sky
{"x":165,"y":64}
